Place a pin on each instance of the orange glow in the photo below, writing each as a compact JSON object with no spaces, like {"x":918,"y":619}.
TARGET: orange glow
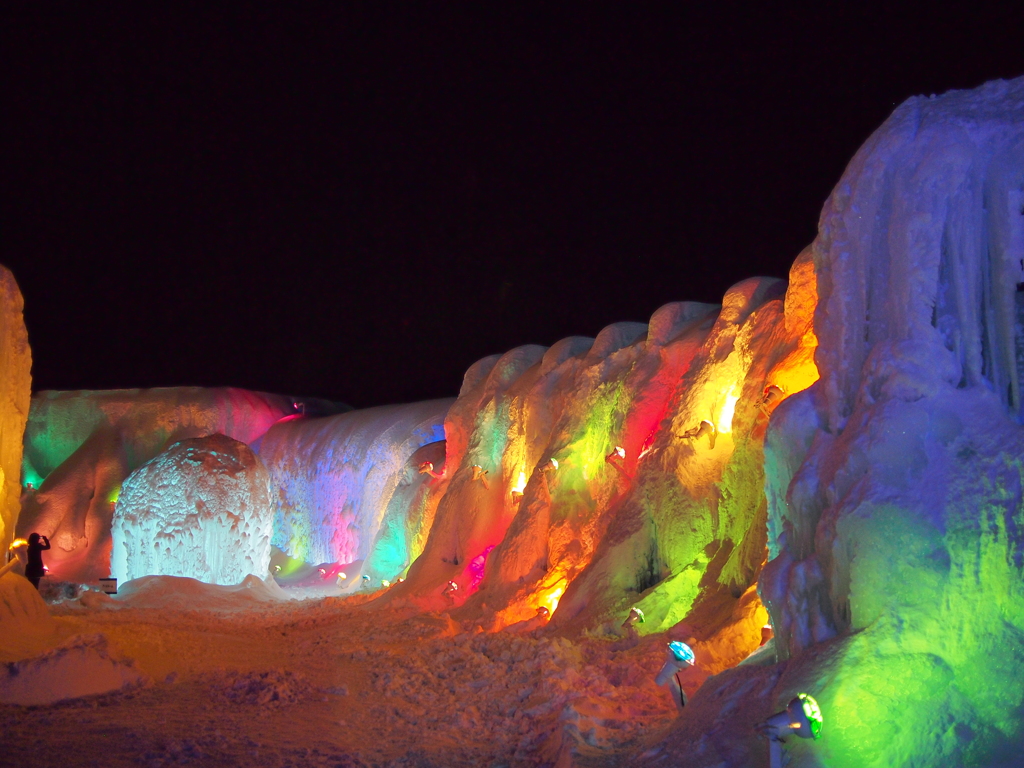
{"x":550,"y":601}
{"x":517,"y":489}
{"x":797,"y":371}
{"x":18,"y":543}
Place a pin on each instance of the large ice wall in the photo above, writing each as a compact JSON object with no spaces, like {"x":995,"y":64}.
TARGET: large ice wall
{"x":344,"y":485}
{"x":200,"y":509}
{"x":15,"y":391}
{"x":80,"y":446}
{"x":621,"y":470}
{"x":895,"y":485}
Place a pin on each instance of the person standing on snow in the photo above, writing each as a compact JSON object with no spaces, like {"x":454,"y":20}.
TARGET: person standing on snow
{"x":35,"y":570}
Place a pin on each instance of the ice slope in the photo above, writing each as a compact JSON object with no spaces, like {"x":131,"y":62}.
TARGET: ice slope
{"x":15,"y":392}
{"x":80,"y":446}
{"x":344,"y":486}
{"x":201,"y":509}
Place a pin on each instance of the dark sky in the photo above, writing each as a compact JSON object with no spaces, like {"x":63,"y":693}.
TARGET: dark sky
{"x":358,"y":200}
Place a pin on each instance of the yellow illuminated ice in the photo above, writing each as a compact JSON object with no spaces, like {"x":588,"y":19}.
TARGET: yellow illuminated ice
{"x":725,"y":418}
{"x":550,"y":601}
{"x":520,"y":484}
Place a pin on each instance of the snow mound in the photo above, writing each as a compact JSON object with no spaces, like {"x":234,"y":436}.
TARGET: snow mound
{"x":182,"y":593}
{"x":201,"y":509}
{"x":273,"y":688}
{"x":20,"y":603}
{"x":81,"y":666}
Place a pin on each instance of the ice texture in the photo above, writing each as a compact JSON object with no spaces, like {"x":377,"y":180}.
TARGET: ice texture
{"x":623,"y":470}
{"x":15,"y":392}
{"x":344,"y":485}
{"x":80,"y":446}
{"x":896,"y":509}
{"x":200,"y":509}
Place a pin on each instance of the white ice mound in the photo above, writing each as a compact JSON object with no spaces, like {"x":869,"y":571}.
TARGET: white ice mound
{"x":82,"y":666}
{"x":201,"y":509}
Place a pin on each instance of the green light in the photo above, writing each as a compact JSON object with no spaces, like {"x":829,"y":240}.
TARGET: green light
{"x":812,"y":712}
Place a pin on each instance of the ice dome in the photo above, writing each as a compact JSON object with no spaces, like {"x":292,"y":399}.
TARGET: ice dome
{"x":201,"y":509}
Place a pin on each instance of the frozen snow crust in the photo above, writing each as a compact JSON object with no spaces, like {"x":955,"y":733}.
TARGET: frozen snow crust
{"x":200,"y":509}
{"x":81,"y":666}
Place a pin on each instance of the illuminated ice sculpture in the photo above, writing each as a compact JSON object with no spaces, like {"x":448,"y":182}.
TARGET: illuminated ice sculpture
{"x":801,"y":717}
{"x":201,"y":509}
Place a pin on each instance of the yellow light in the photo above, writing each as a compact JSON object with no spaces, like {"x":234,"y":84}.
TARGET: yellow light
{"x":550,"y":601}
{"x":18,"y":543}
{"x":554,"y":462}
{"x":725,"y":418}
{"x":520,"y":484}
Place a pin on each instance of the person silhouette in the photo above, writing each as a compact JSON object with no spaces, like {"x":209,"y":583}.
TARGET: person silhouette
{"x":35,"y":570}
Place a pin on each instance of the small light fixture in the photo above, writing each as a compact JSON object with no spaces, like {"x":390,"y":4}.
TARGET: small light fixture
{"x":636,"y":616}
{"x":450,"y":589}
{"x":702,"y":429}
{"x":801,"y":717}
{"x":385,"y":583}
{"x":680,"y":657}
{"x":427,"y":468}
{"x":618,"y":453}
{"x":771,"y":397}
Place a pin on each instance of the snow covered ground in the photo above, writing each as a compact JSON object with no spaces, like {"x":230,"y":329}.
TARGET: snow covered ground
{"x":246,"y":677}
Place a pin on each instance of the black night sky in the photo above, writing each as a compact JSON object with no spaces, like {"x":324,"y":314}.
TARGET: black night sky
{"x":358,"y":200}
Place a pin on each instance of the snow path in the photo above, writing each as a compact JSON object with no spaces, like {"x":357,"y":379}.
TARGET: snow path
{"x":330,"y":683}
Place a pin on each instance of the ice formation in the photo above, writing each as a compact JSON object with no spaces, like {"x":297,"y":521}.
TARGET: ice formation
{"x":348,"y":487}
{"x":80,"y":446}
{"x":895,"y":484}
{"x":578,"y":484}
{"x":15,"y":391}
{"x":657,"y":465}
{"x":201,"y":509}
